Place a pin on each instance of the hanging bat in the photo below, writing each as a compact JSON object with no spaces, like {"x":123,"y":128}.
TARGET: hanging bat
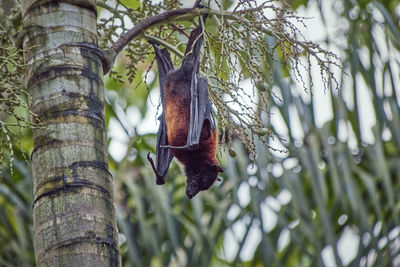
{"x":187,"y":127}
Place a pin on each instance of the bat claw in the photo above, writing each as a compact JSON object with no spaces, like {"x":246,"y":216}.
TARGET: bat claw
{"x":159,"y":179}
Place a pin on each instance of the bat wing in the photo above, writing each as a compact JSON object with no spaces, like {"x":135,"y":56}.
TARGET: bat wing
{"x":164,"y":65}
{"x":200,"y":110}
{"x":163,"y":152}
{"x":200,"y":107}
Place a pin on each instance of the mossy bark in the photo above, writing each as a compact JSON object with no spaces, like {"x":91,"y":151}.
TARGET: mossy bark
{"x":74,"y":216}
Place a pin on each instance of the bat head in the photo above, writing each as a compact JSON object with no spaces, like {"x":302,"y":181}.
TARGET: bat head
{"x":200,"y":177}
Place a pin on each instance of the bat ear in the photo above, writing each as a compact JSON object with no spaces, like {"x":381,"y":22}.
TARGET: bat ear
{"x":218,"y":168}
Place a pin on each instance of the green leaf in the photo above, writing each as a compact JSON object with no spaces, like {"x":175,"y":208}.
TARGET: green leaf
{"x":134,"y":4}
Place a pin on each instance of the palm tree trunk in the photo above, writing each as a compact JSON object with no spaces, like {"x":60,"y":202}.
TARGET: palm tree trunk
{"x":73,"y":212}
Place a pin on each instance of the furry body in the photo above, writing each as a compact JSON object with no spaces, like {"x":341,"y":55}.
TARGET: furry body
{"x":201,"y":164}
{"x":187,"y":129}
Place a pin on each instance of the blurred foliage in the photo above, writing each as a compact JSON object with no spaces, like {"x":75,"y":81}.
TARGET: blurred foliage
{"x":331,"y":200}
{"x":16,"y":226}
{"x":294,"y":209}
{"x":14,"y":108}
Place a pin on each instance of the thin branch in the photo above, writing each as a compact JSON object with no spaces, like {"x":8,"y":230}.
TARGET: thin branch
{"x":164,"y":43}
{"x":169,"y":15}
{"x":183,"y":13}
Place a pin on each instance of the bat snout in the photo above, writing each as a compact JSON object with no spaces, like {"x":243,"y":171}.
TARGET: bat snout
{"x":192,"y":190}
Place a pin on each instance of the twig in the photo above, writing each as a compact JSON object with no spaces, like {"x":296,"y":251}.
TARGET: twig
{"x":169,"y":15}
{"x":164,"y":43}
{"x":176,"y":14}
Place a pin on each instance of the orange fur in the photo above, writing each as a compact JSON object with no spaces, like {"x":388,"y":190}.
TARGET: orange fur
{"x":177,"y":116}
{"x":177,"y":119}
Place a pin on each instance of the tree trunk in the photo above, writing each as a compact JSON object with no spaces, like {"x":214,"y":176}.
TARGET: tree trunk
{"x":73,"y":212}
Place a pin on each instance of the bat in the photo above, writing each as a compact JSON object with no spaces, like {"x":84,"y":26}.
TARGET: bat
{"x":187,"y":128}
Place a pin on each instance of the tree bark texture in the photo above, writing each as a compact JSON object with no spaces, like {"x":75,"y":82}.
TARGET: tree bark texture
{"x":73,"y":212}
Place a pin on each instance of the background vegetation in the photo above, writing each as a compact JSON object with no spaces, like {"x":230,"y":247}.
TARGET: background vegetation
{"x":332,"y":199}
